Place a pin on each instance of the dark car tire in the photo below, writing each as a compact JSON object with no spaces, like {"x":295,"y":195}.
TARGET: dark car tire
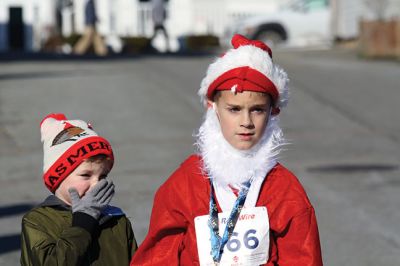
{"x":271,"y":37}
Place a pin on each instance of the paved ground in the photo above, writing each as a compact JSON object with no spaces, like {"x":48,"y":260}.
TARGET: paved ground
{"x":342,"y":122}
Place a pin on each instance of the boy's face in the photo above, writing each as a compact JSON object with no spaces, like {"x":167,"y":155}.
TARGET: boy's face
{"x":243,"y":117}
{"x":83,"y":178}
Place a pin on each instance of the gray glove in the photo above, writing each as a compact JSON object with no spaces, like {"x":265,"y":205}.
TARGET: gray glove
{"x":95,"y":199}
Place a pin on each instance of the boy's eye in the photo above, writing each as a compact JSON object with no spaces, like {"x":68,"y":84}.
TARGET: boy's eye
{"x":259,"y":110}
{"x":233,"y":109}
{"x":85,"y":176}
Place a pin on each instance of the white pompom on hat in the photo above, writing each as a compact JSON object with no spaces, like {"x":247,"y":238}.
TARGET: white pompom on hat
{"x":246,"y":67}
{"x":66,"y":143}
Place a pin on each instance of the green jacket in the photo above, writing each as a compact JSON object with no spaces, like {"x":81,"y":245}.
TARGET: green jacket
{"x":49,"y":239}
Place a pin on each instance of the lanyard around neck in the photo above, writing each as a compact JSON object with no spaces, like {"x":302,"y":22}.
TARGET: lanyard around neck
{"x":218,"y":243}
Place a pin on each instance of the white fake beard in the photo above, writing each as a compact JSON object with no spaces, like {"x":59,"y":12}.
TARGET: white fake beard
{"x":227,"y":165}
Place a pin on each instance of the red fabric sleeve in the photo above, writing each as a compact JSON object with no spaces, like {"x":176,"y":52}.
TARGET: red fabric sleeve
{"x":167,"y":227}
{"x":299,"y":243}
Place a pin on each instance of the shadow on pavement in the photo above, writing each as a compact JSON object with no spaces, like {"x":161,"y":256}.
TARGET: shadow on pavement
{"x":9,"y":243}
{"x":15,"y":209}
{"x":35,"y":75}
{"x":353,"y":168}
{"x":26,"y":56}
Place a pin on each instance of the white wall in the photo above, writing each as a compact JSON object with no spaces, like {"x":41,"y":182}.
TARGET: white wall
{"x":115,"y":17}
{"x":131,"y":18}
{"x":346,"y":18}
{"x":184,"y":16}
{"x":350,"y":12}
{"x":37,"y":16}
{"x":390,"y":9}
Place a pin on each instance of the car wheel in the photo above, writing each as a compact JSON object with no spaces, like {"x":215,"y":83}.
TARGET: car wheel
{"x":270,"y":37}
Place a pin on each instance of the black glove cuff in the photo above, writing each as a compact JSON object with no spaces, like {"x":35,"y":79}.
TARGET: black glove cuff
{"x":84,"y":221}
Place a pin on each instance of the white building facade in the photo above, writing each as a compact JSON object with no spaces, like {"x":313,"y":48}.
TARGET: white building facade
{"x":126,"y":18}
{"x":25,"y":24}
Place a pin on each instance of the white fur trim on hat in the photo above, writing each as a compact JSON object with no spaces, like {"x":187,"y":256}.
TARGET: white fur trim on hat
{"x":253,"y":57}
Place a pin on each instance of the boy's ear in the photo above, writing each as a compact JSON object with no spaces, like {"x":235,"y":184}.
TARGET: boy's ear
{"x":211,"y":104}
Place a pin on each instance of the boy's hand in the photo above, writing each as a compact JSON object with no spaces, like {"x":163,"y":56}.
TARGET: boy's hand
{"x":95,"y":199}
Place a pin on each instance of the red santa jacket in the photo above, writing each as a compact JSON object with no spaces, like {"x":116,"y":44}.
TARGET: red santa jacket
{"x":171,"y":239}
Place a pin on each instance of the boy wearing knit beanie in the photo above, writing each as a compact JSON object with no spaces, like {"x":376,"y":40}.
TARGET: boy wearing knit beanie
{"x":76,"y":225}
{"x":232,"y":203}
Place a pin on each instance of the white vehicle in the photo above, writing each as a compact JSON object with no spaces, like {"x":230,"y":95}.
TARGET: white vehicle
{"x":299,"y":23}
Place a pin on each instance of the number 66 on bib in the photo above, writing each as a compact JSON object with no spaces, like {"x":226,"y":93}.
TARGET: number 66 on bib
{"x":249,"y":243}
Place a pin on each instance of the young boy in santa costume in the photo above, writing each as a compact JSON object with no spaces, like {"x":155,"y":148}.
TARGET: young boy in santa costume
{"x":75,"y":225}
{"x":233,"y":203}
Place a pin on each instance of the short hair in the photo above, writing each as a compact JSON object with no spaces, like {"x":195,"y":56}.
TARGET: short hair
{"x":100,"y":158}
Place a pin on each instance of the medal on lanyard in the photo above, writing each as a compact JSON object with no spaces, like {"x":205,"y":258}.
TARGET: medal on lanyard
{"x":218,"y":243}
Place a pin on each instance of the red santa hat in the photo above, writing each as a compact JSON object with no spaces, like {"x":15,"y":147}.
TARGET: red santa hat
{"x":246,"y":67}
{"x":66,"y":143}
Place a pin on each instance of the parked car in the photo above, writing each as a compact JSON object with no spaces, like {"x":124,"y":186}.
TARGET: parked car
{"x":298,"y":23}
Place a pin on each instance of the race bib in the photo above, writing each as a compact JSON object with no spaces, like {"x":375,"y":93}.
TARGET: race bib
{"x":248,"y":245}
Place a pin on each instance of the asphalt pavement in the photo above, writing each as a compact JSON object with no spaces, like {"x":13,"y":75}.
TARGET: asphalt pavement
{"x":342,"y":123}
